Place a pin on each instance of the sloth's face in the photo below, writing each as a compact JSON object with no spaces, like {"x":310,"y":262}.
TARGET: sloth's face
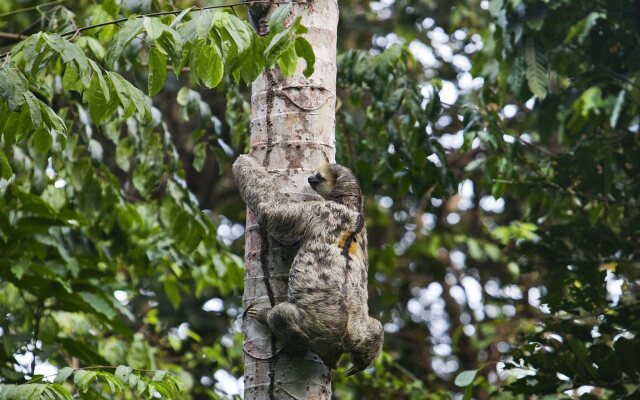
{"x":322,"y":180}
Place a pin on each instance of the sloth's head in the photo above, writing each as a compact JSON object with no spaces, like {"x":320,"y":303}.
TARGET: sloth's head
{"x":366,"y":350}
{"x":337,"y":183}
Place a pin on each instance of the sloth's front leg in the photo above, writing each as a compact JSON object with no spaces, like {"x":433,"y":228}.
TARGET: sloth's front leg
{"x":260,"y":315}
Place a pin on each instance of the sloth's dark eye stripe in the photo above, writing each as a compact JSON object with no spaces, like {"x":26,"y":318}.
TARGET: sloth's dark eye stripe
{"x":320,"y":177}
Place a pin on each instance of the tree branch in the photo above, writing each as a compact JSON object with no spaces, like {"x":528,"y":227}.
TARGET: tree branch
{"x":75,"y":32}
{"x":14,"y":12}
{"x":12,"y":36}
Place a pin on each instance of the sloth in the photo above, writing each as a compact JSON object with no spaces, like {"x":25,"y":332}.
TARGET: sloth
{"x":327,"y":310}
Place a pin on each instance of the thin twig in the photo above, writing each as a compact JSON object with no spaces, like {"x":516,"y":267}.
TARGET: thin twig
{"x":554,"y":186}
{"x":593,"y":314}
{"x":12,"y":36}
{"x":7,"y":14}
{"x":169,"y":67}
{"x":36,"y":332}
{"x":572,"y":51}
{"x":533,"y":145}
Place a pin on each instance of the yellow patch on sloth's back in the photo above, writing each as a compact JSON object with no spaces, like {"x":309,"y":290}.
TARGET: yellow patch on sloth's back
{"x":343,"y":238}
{"x":354,"y":248}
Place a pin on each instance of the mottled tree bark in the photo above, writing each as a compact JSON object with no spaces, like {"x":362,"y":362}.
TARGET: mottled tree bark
{"x":292,"y":132}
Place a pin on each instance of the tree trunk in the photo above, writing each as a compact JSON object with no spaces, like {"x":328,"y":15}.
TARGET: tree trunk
{"x":292,"y":132}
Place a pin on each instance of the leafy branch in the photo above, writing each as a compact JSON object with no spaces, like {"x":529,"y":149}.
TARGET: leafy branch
{"x":213,"y":44}
{"x":182,"y":12}
{"x":162,"y":384}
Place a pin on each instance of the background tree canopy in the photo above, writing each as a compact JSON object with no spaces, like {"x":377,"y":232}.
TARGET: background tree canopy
{"x":496,"y":143}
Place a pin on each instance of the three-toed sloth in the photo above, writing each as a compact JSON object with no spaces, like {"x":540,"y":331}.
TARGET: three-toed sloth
{"x":327,"y":310}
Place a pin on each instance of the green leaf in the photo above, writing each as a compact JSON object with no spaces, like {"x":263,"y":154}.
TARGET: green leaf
{"x":36,"y":54}
{"x":175,"y":342}
{"x":204,"y":23}
{"x":7,"y":119}
{"x":188,"y":30}
{"x":153,"y":26}
{"x":13,"y":84}
{"x":23,"y":126}
{"x":182,"y":98}
{"x":18,"y":270}
{"x":159,"y":375}
{"x":172,"y":292}
{"x":180,"y":16}
{"x":114,"y":383}
{"x":71,"y":79}
{"x":119,"y":84}
{"x":197,"y":134}
{"x":34,"y":109}
{"x":277,"y":46}
{"x":297,"y":27}
{"x":240,"y":32}
{"x":474,"y":249}
{"x":95,"y":97}
{"x":96,"y":47}
{"x":133,"y":380}
{"x":42,"y":140}
{"x":304,"y":50}
{"x":278,"y":18}
{"x":141,"y":386}
{"x":435,"y":105}
{"x":589,"y":101}
{"x":468,"y":393}
{"x":99,"y":304}
{"x":122,"y":373}
{"x":57,"y":391}
{"x":253,"y":61}
{"x":581,"y":353}
{"x":63,"y":375}
{"x":492,"y":251}
{"x":617,"y":108}
{"x":126,"y":34}
{"x":111,"y":7}
{"x":173,"y":48}
{"x":199,"y":156}
{"x":465,"y":378}
{"x":536,"y":71}
{"x":103,"y":83}
{"x":30,"y":391}
{"x":82,"y":379}
{"x":209,"y":67}
{"x":67,"y":50}
{"x":583,"y":27}
{"x":5,"y":167}
{"x":54,"y":122}
{"x":131,"y":98}
{"x":157,"y":71}
{"x":288,"y":61}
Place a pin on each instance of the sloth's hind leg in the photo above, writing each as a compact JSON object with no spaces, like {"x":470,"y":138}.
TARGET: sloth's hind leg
{"x":286,"y":321}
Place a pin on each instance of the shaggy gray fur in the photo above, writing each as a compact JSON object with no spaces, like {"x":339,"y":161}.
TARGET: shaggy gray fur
{"x":327,"y":310}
